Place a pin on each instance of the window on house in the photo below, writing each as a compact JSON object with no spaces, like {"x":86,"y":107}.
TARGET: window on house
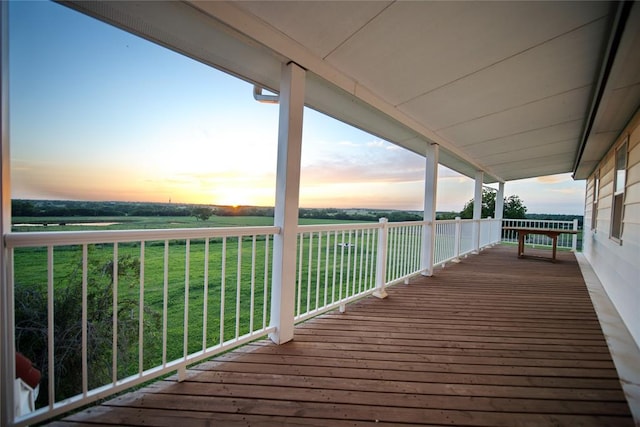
{"x":596,"y":195}
{"x":619,"y":180}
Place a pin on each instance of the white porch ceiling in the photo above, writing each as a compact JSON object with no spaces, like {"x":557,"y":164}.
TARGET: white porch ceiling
{"x":510,"y":88}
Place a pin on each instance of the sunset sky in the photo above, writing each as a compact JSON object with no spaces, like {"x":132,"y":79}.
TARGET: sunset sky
{"x":99,"y":114}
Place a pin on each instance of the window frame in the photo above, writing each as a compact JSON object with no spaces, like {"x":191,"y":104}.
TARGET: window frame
{"x":619,"y":190}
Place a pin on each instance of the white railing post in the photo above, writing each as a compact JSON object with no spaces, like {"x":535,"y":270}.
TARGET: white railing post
{"x":574,"y":242}
{"x":7,"y":342}
{"x":487,"y":233}
{"x":381,"y":261}
{"x":292,"y":88}
{"x":456,"y":243}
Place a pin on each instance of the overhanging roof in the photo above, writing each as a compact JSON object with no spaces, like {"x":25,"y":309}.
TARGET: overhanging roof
{"x":516,"y":89}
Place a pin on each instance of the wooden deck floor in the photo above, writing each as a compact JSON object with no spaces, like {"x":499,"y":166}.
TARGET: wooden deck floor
{"x":492,"y":341}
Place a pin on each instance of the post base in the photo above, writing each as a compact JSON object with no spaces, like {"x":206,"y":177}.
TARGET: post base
{"x":382,"y":294}
{"x":277,"y":339}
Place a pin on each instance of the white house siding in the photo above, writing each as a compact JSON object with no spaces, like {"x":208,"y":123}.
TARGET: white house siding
{"x":617,"y":264}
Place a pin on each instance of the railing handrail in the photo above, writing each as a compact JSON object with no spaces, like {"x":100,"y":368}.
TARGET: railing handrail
{"x":542,"y":221}
{"x":369,"y":225}
{"x":401,"y":224}
{"x":314,"y":228}
{"x":44,"y":238}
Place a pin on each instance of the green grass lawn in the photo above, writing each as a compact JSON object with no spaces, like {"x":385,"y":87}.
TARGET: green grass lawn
{"x":154,"y":222}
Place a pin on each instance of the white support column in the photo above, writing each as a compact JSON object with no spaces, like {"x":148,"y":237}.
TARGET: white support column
{"x":430,"y":193}
{"x":7,"y":342}
{"x":381,"y":260}
{"x":456,"y":243}
{"x":574,"y":241}
{"x":499,"y":212}
{"x":500,"y":202}
{"x":292,"y":87}
{"x":477,"y":211}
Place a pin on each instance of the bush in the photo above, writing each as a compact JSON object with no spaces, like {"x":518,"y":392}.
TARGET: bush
{"x":31,"y":326}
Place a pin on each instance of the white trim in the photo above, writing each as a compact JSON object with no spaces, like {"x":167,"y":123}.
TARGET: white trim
{"x":624,"y":350}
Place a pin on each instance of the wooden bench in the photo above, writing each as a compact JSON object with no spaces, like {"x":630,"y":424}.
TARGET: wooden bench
{"x":552,"y":233}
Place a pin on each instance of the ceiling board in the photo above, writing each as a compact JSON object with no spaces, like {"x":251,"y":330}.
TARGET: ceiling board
{"x":569,"y":62}
{"x":308,"y":22}
{"x":540,"y":114}
{"x":528,"y":169}
{"x":416,"y":47}
{"x":561,"y":148}
{"x":514,"y":143}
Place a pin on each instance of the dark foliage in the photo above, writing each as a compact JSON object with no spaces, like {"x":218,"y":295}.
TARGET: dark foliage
{"x":513,"y":207}
{"x":32,"y":325}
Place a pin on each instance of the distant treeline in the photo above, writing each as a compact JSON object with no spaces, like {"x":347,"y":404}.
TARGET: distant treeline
{"x":553,"y":217}
{"x":64,"y":208}
{"x":58,"y":208}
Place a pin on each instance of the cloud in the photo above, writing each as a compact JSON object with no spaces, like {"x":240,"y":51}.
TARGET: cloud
{"x":348,"y":144}
{"x":567,"y":191}
{"x":371,"y":161}
{"x":552,"y":179}
{"x":379,"y":143}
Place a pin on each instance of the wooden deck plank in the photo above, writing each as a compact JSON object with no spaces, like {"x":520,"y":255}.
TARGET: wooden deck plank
{"x":492,"y":341}
{"x":392,"y":354}
{"x":442,"y":395}
{"x":416,"y":376}
{"x":126,"y":416}
{"x":299,"y":408}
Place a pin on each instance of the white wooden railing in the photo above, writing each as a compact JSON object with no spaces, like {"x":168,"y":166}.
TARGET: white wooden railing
{"x":230,"y":270}
{"x":217,"y":281}
{"x":336,"y":264}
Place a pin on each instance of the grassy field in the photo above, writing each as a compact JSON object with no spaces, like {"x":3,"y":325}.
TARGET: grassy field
{"x":154,"y":222}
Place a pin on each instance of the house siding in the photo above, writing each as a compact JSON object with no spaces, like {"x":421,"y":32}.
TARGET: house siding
{"x":617,"y":264}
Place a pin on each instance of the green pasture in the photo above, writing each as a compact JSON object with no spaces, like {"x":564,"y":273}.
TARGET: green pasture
{"x":40,"y":224}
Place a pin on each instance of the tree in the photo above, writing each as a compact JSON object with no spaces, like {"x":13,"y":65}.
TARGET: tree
{"x":202,"y":213}
{"x":488,"y":206}
{"x":22,"y":208}
{"x":513,"y":207}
